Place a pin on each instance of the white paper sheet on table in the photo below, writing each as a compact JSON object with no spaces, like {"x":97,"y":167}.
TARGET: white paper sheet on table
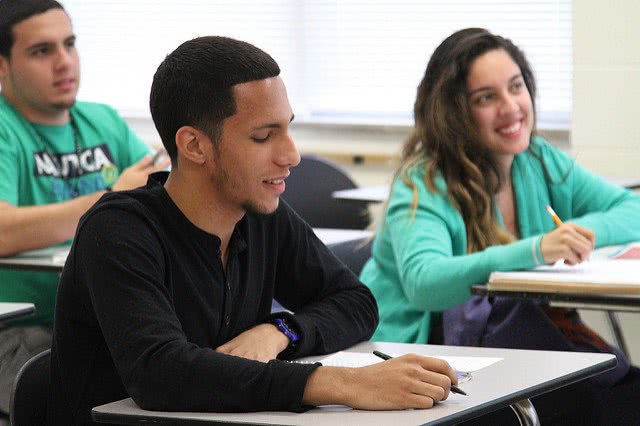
{"x":360,"y":359}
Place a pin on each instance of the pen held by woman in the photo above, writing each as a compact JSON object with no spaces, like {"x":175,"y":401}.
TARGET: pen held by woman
{"x":568,"y":241}
{"x":382,"y":355}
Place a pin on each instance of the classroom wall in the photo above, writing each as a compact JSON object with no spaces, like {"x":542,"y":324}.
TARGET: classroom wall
{"x":606,"y":89}
{"x":606,"y":86}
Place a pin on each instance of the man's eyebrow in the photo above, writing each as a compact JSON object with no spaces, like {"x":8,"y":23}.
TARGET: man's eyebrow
{"x":47,"y":43}
{"x":274,"y":125}
{"x":480,"y":89}
{"x":39,"y":45}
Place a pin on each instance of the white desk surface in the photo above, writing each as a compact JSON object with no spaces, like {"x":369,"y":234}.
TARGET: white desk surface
{"x":334,"y":236}
{"x":380,"y":193}
{"x":599,"y":300}
{"x":49,"y":259}
{"x":372,"y":194}
{"x":10,"y":310}
{"x":52,"y":259}
{"x":520,"y":375}
{"x":631,"y":183}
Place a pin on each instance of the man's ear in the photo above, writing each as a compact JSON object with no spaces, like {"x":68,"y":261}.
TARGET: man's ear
{"x":192,"y":144}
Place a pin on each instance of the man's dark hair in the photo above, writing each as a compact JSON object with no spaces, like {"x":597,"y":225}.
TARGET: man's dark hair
{"x":13,"y":12}
{"x":193,"y":86}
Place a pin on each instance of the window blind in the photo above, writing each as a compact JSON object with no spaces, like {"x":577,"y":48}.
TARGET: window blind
{"x":351,"y":61}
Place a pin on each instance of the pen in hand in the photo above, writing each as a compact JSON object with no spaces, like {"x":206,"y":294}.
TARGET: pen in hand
{"x":454,"y":388}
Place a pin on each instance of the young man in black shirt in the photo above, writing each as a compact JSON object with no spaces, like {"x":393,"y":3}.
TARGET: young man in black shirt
{"x":167,"y":290}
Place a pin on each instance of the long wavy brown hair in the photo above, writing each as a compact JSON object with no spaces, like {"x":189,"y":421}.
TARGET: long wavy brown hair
{"x":445,"y":138}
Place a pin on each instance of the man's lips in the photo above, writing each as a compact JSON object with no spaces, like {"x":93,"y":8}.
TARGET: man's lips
{"x":65,"y":83}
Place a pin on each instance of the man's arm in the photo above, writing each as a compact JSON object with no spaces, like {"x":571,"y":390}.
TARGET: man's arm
{"x":409,"y":381}
{"x":32,"y":227}
{"x":332,"y":309}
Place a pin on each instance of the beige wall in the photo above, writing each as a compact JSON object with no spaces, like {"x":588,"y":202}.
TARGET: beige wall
{"x":606,"y":86}
{"x":605,"y":135}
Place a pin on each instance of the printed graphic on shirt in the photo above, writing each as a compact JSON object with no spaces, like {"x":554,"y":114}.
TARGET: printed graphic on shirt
{"x":73,"y":174}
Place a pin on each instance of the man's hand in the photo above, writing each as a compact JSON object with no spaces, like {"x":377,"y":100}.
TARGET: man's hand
{"x":262,"y":343}
{"x":137,"y":174}
{"x":409,"y":381}
{"x":570,"y":242}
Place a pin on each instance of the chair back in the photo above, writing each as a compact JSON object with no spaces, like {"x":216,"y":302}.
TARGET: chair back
{"x":354,"y":254}
{"x":31,"y":391}
{"x":309,"y":192}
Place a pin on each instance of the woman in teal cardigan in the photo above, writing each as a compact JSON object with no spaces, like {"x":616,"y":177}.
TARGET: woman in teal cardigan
{"x":469,"y":198}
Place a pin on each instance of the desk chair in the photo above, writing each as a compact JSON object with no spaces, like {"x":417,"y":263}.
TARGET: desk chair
{"x":309,"y":192}
{"x":354,"y":254}
{"x":31,"y":391}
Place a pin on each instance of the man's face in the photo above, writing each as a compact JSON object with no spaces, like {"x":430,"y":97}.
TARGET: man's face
{"x":255,"y":151}
{"x":41,"y":76}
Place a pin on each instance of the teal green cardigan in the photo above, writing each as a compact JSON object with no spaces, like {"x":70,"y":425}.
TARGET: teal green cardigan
{"x":420,"y":265}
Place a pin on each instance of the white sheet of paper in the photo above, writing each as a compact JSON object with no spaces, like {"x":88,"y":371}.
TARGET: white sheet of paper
{"x":358,"y":359}
{"x":621,"y":272}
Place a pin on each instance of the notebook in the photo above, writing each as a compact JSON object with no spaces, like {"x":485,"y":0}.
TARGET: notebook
{"x":613,"y":276}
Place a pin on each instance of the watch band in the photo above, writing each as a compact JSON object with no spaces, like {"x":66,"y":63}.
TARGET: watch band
{"x":285,"y":329}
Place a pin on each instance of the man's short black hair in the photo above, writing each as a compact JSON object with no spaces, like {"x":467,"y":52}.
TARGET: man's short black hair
{"x":193,"y":86}
{"x":13,"y":12}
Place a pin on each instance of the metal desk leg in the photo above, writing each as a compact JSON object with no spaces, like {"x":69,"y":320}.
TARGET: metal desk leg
{"x":617,"y":332}
{"x":526,"y":413}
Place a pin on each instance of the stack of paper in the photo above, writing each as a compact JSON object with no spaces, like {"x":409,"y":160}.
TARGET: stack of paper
{"x":596,"y":276}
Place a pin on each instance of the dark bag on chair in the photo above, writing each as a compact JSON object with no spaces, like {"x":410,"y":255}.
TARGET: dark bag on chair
{"x":500,"y":322}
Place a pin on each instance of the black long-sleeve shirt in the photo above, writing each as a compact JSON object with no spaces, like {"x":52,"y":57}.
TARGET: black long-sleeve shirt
{"x":144,"y":300}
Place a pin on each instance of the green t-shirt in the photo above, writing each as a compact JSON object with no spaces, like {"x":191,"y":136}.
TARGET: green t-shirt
{"x":42,"y":164}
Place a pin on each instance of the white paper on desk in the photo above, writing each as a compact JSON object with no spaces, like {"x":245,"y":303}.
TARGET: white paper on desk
{"x":623,"y":272}
{"x":362,"y":359}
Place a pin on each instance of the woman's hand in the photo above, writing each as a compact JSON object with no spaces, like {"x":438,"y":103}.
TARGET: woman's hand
{"x":570,"y":242}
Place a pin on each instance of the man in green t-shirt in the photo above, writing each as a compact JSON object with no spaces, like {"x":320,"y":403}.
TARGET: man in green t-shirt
{"x":57,"y":158}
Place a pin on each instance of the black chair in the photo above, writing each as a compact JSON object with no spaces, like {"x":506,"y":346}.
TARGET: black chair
{"x":354,"y":253}
{"x":309,"y":192}
{"x":31,"y":391}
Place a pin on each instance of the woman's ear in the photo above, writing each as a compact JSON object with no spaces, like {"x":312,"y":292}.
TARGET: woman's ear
{"x":192,"y":144}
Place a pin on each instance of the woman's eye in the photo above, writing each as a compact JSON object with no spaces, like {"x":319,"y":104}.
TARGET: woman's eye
{"x":517,"y":86}
{"x":483,"y":99}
